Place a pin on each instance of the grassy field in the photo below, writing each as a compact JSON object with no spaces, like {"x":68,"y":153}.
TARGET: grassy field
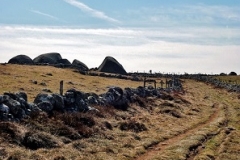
{"x":201,"y":124}
{"x":230,"y":79}
{"x":34,"y":79}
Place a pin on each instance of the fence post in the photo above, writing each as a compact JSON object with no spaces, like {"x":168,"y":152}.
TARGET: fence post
{"x":61,"y":87}
{"x":167,"y":84}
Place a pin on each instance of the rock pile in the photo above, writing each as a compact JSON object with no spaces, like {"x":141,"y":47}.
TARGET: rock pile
{"x":217,"y":83}
{"x":15,"y":106}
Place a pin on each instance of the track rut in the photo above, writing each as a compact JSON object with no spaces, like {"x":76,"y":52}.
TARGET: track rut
{"x":162,"y":146}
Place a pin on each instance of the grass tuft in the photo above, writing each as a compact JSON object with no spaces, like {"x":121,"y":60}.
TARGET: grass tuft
{"x":132,"y":125}
{"x":35,"y":140}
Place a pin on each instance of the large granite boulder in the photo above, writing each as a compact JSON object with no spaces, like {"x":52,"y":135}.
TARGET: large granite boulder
{"x":75,"y":101}
{"x":116,"y":97}
{"x":79,"y":65}
{"x":64,"y":62}
{"x":232,"y":74}
{"x":47,"y":58}
{"x":49,"y":102}
{"x":21,"y":59}
{"x":111,"y":65}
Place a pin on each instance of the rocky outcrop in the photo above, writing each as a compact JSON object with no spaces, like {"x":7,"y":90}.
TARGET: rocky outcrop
{"x":111,"y":65}
{"x":79,"y":65}
{"x":21,"y":59}
{"x":14,"y":106}
{"x":47,"y":58}
{"x":64,"y":62}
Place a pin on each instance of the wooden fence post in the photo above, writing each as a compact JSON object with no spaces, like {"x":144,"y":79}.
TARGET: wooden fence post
{"x":61,"y":87}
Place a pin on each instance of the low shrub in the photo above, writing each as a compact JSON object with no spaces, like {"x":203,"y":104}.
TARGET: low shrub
{"x":77,"y":119}
{"x":12,"y":132}
{"x":38,"y":140}
{"x":133,"y":126}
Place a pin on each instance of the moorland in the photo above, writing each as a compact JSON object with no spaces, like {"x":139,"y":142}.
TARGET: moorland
{"x":200,"y":123}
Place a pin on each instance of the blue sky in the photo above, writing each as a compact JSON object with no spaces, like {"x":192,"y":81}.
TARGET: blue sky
{"x":166,"y":36}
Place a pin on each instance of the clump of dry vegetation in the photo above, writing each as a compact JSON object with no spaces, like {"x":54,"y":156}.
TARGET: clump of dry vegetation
{"x":132,"y":126}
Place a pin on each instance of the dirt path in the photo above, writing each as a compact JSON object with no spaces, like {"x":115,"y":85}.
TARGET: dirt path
{"x":160,"y":147}
{"x":215,"y":138}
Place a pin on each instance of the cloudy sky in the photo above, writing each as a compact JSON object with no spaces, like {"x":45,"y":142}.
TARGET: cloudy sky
{"x":199,"y":36}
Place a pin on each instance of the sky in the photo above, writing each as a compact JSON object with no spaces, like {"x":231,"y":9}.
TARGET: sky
{"x":173,"y":36}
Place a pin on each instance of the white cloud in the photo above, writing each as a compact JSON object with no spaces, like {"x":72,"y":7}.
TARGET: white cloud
{"x":91,"y":11}
{"x":185,"y":15}
{"x":217,"y":11}
{"x":44,"y":14}
{"x":162,"y":49}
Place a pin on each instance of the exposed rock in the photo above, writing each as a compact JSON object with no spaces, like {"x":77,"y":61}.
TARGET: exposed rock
{"x":92,"y":100}
{"x":21,"y":59}
{"x":43,"y":84}
{"x":22,"y":95}
{"x":54,"y":102}
{"x":64,"y":62}
{"x":111,"y":65}
{"x":11,"y":100}
{"x":59,"y":102}
{"x":3,"y":98}
{"x":4,"y":108}
{"x":14,"y":106}
{"x":45,"y":106}
{"x":75,"y":101}
{"x":47,"y":90}
{"x":44,"y":97}
{"x":116,"y":98}
{"x":216,"y":82}
{"x":232,"y":74}
{"x":47,"y":58}
{"x":33,"y":81}
{"x":79,"y":65}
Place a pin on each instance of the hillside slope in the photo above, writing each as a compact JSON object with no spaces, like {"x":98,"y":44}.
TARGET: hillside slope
{"x":203,"y":123}
{"x":33,"y":79}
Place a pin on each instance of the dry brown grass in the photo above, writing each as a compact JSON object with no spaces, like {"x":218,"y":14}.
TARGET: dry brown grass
{"x":230,"y":79}
{"x":174,"y":127}
{"x":20,"y":77}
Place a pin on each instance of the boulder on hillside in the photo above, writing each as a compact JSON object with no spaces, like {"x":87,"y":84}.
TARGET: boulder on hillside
{"x":232,"y":74}
{"x":21,"y":59}
{"x":50,"y":58}
{"x":111,"y":65}
{"x":64,"y":62}
{"x":79,"y":65}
